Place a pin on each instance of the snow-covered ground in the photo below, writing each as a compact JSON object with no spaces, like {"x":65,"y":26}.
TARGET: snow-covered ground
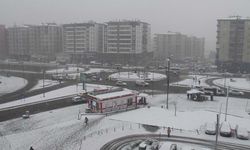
{"x":131,"y":76}
{"x":65,"y":70}
{"x":242,"y":84}
{"x":11,"y":84}
{"x":47,"y":83}
{"x":69,"y":90}
{"x":192,"y":80}
{"x":78,"y":69}
{"x":61,"y":129}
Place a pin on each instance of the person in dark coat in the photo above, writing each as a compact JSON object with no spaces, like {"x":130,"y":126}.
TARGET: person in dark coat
{"x":86,"y":120}
{"x":31,"y":148}
{"x":169,"y":131}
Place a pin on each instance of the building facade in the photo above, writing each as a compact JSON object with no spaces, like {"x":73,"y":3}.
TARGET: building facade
{"x":127,"y":40}
{"x":45,"y":41}
{"x":18,"y":42}
{"x":233,"y":45}
{"x":82,"y":41}
{"x":178,"y":46}
{"x":3,"y":42}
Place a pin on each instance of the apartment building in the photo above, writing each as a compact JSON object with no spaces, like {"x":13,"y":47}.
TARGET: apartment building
{"x":18,"y":42}
{"x":233,"y":44}
{"x":82,"y":41}
{"x":45,"y":41}
{"x":127,"y":40}
{"x":3,"y":42}
{"x":178,"y":46}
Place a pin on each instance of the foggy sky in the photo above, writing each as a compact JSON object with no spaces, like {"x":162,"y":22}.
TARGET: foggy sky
{"x":191,"y":17}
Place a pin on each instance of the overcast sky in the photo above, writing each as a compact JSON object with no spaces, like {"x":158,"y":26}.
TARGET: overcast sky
{"x":191,"y":17}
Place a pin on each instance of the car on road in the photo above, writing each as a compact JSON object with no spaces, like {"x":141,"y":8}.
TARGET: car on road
{"x":235,"y":93}
{"x":26,"y":115}
{"x":121,"y":83}
{"x":173,"y":147}
{"x":149,"y":144}
{"x":225,"y":129}
{"x":78,"y":99}
{"x":210,"y":128}
{"x":141,"y":83}
{"x":242,"y":133}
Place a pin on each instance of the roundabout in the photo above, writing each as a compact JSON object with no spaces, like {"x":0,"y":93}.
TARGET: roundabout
{"x":125,"y":142}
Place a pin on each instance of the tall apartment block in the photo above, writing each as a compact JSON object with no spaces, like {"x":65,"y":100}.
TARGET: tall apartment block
{"x":3,"y":42}
{"x":18,"y":42}
{"x":233,"y":45}
{"x":45,"y":41}
{"x":82,"y":41}
{"x":178,"y":47}
{"x":127,"y":41}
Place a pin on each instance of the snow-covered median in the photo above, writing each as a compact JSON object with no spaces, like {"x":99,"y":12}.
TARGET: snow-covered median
{"x":131,"y":76}
{"x":242,"y":84}
{"x":11,"y":84}
{"x":69,"y":90}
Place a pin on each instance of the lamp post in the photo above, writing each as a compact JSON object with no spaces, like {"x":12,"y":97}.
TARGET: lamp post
{"x":167,"y":74}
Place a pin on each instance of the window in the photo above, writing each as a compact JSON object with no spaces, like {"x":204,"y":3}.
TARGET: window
{"x":129,"y":101}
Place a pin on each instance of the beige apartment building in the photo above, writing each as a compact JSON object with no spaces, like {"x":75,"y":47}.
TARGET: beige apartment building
{"x":82,"y":41}
{"x":127,"y":41}
{"x":233,"y":44}
{"x":18,"y":42}
{"x":178,"y":46}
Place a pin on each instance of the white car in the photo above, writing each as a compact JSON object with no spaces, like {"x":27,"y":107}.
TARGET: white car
{"x":121,"y":83}
{"x":225,"y":129}
{"x":141,"y":83}
{"x":236,"y":93}
{"x":242,"y":133}
{"x":149,"y":144}
{"x":210,"y":128}
{"x":78,"y":99}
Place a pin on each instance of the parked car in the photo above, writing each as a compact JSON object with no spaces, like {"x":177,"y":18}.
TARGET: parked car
{"x":141,"y":83}
{"x":149,"y":144}
{"x":235,"y":93}
{"x":242,"y":133}
{"x":121,"y":83}
{"x":26,"y":115}
{"x":210,"y":128}
{"x":78,"y":99}
{"x":225,"y":129}
{"x":173,"y":147}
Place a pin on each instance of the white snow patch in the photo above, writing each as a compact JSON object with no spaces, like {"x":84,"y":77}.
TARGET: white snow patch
{"x":11,"y":84}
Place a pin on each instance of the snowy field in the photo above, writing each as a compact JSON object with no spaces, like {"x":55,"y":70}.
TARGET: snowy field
{"x":61,"y":129}
{"x":11,"y":84}
{"x":131,"y":76}
{"x":47,"y":83}
{"x":69,"y":90}
{"x":192,"y":80}
{"x":65,"y":70}
{"x":78,"y":69}
{"x":236,"y":83}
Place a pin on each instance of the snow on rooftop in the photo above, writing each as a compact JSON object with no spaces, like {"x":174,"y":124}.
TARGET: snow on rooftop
{"x":113,"y":94}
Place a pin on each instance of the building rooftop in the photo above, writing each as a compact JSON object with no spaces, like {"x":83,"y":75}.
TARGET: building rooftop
{"x":113,"y":94}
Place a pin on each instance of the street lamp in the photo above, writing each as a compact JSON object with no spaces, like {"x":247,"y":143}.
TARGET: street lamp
{"x":167,"y":74}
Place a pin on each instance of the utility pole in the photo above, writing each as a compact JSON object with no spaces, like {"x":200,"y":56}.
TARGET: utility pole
{"x":226,"y":104}
{"x":217,"y":131}
{"x":167,"y":74}
{"x":43,"y":81}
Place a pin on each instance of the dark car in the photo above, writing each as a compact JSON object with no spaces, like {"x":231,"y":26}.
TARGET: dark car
{"x":225,"y":129}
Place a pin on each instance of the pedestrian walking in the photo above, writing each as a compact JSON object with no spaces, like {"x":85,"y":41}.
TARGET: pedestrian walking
{"x":169,"y":131}
{"x":31,"y":148}
{"x":86,"y":120}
